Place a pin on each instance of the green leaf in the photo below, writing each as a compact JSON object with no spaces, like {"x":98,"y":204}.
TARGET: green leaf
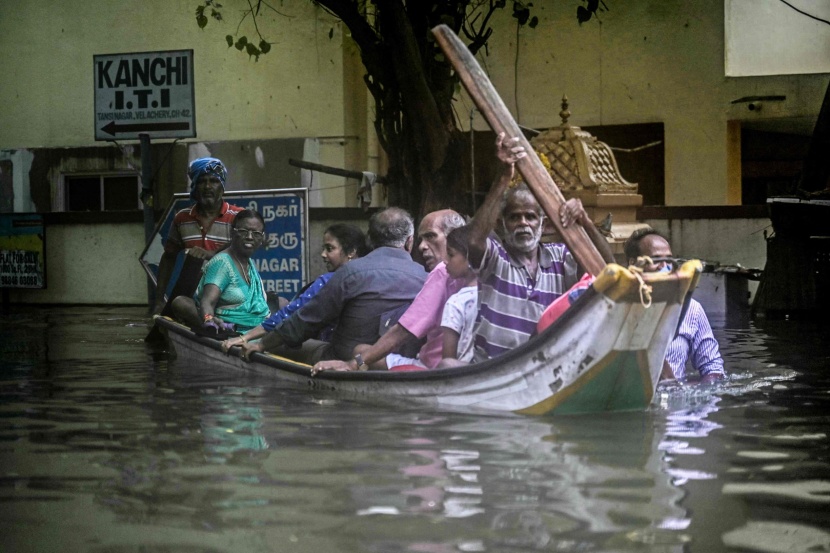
{"x":264,"y":47}
{"x":521,"y":13}
{"x":200,"y":10}
{"x":252,"y":50}
{"x":240,"y":43}
{"x":216,"y":15}
{"x":201,"y":20}
{"x":533,"y":22}
{"x":229,"y":38}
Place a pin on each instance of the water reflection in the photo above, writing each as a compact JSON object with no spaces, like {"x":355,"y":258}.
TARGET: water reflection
{"x":231,"y":422}
{"x":107,"y":446}
{"x":575,"y":484}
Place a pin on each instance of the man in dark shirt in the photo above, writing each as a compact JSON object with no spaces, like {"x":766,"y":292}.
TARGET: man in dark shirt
{"x":355,"y":297}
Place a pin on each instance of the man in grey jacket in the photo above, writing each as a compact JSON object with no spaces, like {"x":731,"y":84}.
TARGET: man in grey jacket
{"x":355,"y":297}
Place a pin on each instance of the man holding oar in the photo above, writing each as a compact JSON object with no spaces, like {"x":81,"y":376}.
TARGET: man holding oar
{"x":521,"y":276}
{"x":517,"y":281}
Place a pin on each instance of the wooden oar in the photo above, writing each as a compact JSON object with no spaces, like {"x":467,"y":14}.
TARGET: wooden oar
{"x":535,"y":175}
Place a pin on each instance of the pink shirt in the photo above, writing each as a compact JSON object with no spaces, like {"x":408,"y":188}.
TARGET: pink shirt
{"x":423,"y":318}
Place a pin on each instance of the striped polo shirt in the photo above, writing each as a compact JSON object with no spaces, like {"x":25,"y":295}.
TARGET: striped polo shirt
{"x":187,"y":232}
{"x":695,"y":343}
{"x":511,"y":301}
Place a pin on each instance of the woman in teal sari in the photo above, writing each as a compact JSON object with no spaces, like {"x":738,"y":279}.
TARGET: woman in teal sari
{"x":230,"y":295}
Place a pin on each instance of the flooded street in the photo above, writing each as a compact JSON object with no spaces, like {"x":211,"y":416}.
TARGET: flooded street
{"x":110,"y":445}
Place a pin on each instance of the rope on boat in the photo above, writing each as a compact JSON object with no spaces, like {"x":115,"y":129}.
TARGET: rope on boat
{"x":637,"y":271}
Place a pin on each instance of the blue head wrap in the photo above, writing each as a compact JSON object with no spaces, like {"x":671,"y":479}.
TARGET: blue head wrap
{"x":205,"y":166}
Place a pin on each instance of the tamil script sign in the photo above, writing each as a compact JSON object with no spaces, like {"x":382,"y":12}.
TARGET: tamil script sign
{"x":148,"y":92}
{"x":282,"y":261}
{"x":22,"y":251}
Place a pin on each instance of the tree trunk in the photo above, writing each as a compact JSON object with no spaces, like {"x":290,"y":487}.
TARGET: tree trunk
{"x":413,"y":87}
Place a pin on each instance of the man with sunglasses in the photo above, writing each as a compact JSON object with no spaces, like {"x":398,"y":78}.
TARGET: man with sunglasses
{"x":694,"y":344}
{"x":200,"y":230}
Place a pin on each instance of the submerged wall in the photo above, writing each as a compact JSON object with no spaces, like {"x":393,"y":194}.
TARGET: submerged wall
{"x":91,"y":264}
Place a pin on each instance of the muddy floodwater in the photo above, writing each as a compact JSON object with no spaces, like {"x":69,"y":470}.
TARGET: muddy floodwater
{"x":110,"y":445}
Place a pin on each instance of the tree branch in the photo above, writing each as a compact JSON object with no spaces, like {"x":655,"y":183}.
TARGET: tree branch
{"x":254,"y":16}
{"x":362,"y":33}
{"x":479,"y":38}
{"x":418,"y":103}
{"x":811,"y":16}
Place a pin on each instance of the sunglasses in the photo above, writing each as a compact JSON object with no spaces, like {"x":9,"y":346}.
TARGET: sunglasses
{"x":671,"y":262}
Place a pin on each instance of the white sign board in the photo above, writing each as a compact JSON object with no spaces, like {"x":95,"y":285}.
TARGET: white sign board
{"x":148,"y":92}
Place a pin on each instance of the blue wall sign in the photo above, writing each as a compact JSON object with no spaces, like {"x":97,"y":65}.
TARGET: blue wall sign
{"x":282,"y":262}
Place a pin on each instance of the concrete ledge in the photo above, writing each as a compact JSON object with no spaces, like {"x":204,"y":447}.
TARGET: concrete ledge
{"x":703,"y":212}
{"x":93,"y":217}
{"x":347,"y":214}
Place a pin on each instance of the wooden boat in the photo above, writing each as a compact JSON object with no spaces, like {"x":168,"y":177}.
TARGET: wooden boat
{"x":605,"y":353}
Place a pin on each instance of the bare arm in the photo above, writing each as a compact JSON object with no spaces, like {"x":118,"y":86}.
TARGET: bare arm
{"x":166,"y":265}
{"x":450,"y":350}
{"x":271,"y":340}
{"x":573,"y":211}
{"x":375,"y":355}
{"x":599,"y":241}
{"x":666,"y":373}
{"x":509,"y":152}
{"x":200,"y":253}
{"x":252,"y":334}
{"x":207,"y":303}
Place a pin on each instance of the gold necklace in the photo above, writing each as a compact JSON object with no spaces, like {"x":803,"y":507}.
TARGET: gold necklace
{"x":243,"y":270}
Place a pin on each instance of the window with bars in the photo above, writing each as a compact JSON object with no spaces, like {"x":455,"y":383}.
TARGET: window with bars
{"x":101,"y":192}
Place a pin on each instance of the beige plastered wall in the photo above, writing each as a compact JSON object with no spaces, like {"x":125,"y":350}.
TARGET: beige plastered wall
{"x":295,"y":91}
{"x":647,"y":61}
{"x":91,"y":264}
{"x":48,"y":46}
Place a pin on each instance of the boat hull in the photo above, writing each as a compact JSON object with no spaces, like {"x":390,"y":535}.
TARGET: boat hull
{"x":604,"y":354}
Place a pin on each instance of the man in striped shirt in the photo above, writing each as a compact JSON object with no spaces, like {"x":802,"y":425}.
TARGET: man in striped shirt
{"x":521,"y":276}
{"x":694,"y":344}
{"x":200,"y":230}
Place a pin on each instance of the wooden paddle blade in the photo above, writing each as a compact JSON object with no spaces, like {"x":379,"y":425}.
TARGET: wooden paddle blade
{"x":535,"y":175}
